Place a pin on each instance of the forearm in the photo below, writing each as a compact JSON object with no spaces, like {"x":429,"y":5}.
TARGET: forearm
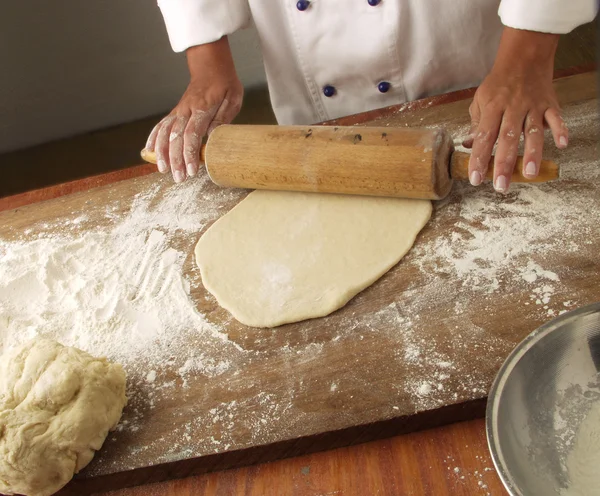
{"x":520,"y":49}
{"x":210,"y":59}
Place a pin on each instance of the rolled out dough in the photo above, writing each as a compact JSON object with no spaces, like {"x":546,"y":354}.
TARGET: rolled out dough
{"x":281,"y":257}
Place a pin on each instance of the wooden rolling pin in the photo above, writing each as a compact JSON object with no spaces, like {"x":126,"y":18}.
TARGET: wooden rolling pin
{"x":375,"y":161}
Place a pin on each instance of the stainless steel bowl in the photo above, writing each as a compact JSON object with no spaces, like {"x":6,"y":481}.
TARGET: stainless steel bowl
{"x":539,"y":398}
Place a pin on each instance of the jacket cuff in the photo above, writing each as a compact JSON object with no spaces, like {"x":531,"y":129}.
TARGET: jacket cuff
{"x":548,"y":16}
{"x":196,"y":22}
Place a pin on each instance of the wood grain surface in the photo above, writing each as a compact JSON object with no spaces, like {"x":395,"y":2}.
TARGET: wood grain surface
{"x":365,"y":350}
{"x":447,"y":461}
{"x":391,"y":162}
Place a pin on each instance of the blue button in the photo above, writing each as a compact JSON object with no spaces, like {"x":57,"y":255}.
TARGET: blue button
{"x":384,"y":86}
{"x":374,"y":3}
{"x":329,"y":91}
{"x":302,"y":5}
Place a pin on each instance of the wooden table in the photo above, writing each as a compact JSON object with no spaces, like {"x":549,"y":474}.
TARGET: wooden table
{"x":450,"y":460}
{"x":446,"y":460}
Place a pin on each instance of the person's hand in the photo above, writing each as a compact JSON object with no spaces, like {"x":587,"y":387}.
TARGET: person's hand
{"x":516,"y":98}
{"x":213,"y":97}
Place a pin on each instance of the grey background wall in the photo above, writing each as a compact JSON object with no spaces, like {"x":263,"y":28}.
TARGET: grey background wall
{"x":71,"y":66}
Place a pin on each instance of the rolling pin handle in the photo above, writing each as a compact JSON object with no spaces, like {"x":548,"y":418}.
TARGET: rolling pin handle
{"x":459,"y":170}
{"x":150,"y":156}
{"x":450,"y":168}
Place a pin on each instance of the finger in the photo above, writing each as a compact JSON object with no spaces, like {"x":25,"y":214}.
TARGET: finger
{"x":176,"y":149}
{"x":151,"y":141}
{"x":560,"y":133}
{"x":162,"y":144}
{"x":192,"y":139}
{"x":534,"y":144}
{"x":483,"y":144}
{"x":507,"y":150}
{"x":475,"y":114}
{"x":229,"y":108}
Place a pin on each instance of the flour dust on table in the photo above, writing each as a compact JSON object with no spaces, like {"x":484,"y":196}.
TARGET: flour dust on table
{"x":118,"y":291}
{"x":499,"y":240}
{"x":106,"y":290}
{"x":75,"y":271}
{"x":281,"y":257}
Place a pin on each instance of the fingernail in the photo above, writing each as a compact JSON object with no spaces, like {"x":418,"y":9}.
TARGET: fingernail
{"x":501,"y":184}
{"x":475,"y":178}
{"x":562,"y":141}
{"x":162,"y":166}
{"x":178,"y":176}
{"x":530,"y":169}
{"x":191,"y":170}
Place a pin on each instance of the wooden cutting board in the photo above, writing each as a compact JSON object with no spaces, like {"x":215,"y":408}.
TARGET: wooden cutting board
{"x":418,"y":348}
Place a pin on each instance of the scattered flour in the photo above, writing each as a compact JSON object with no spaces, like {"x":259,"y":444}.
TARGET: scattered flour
{"x":462,"y":477}
{"x":205,"y":365}
{"x":493,"y":237}
{"x":502,"y":242}
{"x":533,"y":272}
{"x":424,"y":389}
{"x":533,"y":242}
{"x":116,"y":291}
{"x":115,"y":286}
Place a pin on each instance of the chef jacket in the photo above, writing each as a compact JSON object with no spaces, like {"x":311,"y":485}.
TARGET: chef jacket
{"x":329,"y":58}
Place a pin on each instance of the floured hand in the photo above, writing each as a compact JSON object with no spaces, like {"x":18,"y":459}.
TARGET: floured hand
{"x":213,"y":97}
{"x":516,"y":98}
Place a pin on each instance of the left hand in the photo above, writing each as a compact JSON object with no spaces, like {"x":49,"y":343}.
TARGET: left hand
{"x":516,"y":97}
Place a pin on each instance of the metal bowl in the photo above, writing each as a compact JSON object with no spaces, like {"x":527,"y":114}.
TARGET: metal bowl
{"x":539,"y":398}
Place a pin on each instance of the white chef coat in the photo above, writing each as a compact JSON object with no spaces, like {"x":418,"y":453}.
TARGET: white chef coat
{"x":327,"y":58}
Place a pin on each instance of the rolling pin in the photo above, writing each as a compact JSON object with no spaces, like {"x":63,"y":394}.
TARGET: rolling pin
{"x":373,"y":161}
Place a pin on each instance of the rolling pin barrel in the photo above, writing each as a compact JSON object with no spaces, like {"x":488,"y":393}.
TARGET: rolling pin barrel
{"x":375,"y":161}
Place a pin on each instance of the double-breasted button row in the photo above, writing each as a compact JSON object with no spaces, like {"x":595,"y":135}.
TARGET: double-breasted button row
{"x":329,"y":90}
{"x":302,"y":5}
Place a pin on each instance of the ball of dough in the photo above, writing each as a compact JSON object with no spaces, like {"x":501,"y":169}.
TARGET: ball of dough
{"x":57,"y":405}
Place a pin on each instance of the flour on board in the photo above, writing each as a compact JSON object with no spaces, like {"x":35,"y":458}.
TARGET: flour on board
{"x":498,"y":239}
{"x":120,"y":291}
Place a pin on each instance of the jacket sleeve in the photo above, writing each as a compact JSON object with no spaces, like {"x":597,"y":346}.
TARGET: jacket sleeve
{"x":548,"y":16}
{"x":196,"y":22}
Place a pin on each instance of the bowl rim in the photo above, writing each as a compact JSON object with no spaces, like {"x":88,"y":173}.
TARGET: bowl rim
{"x":495,"y":394}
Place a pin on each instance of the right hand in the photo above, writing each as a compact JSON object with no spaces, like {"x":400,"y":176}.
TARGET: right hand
{"x":213,"y":97}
